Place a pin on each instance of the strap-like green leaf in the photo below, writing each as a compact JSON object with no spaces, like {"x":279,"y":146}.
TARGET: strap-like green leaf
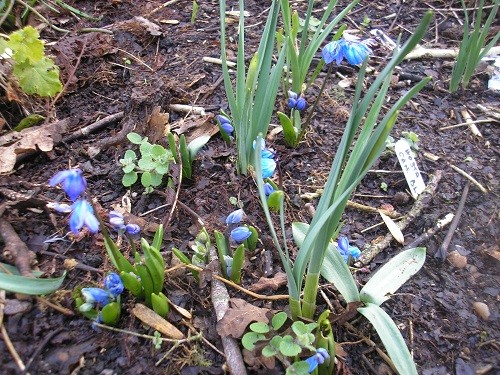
{"x":392,"y":275}
{"x":32,"y":286}
{"x":391,"y":338}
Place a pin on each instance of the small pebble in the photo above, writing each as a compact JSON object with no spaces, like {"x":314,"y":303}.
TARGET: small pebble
{"x":482,"y":310}
{"x":456,"y":259}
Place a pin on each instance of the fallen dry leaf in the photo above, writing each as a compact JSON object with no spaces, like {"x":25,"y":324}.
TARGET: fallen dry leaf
{"x":239,"y":316}
{"x":273,"y":283}
{"x":152,"y":319}
{"x":29,"y":140}
{"x":157,"y":127}
{"x":393,"y":228}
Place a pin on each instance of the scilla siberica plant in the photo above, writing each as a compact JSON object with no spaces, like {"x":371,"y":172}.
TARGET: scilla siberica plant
{"x":251,"y":103}
{"x":300,"y":51}
{"x":361,"y":144}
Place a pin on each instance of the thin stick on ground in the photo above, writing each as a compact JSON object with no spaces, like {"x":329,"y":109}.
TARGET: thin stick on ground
{"x":220,"y":301}
{"x":421,"y":202}
{"x":443,"y":249}
{"x":430,"y":232}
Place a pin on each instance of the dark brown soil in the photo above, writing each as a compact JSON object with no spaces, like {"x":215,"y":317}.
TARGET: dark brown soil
{"x":133,"y":71}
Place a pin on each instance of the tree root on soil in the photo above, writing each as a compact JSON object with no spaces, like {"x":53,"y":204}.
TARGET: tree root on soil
{"x":16,"y":249}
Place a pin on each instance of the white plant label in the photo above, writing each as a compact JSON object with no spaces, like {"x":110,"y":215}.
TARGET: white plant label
{"x":409,"y":167}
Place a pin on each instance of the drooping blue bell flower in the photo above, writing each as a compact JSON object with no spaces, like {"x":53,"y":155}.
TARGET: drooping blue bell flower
{"x":355,"y":52}
{"x":235,"y":217}
{"x":301,"y":104}
{"x":296,"y":102}
{"x":114,"y":284}
{"x":268,"y":189}
{"x":93,"y":297}
{"x":346,"y":250}
{"x":83,"y":215}
{"x":240,"y":234}
{"x":72,"y":182}
{"x":317,"y":359}
{"x":333,"y":51}
{"x":268,"y":167}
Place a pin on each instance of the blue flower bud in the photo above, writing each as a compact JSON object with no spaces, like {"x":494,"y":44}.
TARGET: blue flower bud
{"x":223,"y":119}
{"x":268,"y":189}
{"x":227,"y":127}
{"x":116,"y":220}
{"x":301,"y":104}
{"x":343,"y":244}
{"x":317,"y":359}
{"x":292,"y":95}
{"x":240,"y":234}
{"x":72,"y":181}
{"x":235,"y":217}
{"x":95,"y":296}
{"x":83,"y":215}
{"x":354,"y":252}
{"x":132,"y":229}
{"x":292,"y":103}
{"x":114,"y":284}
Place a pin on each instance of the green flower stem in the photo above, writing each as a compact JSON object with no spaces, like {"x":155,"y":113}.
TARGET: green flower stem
{"x":310,"y":294}
{"x":313,"y":108}
{"x":131,"y":242}
{"x":295,"y":308}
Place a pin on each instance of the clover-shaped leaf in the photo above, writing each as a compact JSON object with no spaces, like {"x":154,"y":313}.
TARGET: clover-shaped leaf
{"x":249,"y":340}
{"x":278,"y":320}
{"x":259,"y":327}
{"x":135,"y":138}
{"x":129,"y":178}
{"x":288,"y":347}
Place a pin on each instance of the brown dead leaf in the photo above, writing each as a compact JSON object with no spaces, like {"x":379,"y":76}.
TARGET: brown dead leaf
{"x":152,"y":319}
{"x":256,"y":362}
{"x":157,"y":126}
{"x":29,"y":140}
{"x":239,"y":316}
{"x":273,"y":283}
{"x":194,"y":128}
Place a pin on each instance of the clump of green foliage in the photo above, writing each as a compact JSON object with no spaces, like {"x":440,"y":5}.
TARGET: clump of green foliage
{"x":36,"y":73}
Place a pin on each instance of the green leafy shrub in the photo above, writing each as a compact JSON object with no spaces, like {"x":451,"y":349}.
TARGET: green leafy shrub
{"x":36,"y":73}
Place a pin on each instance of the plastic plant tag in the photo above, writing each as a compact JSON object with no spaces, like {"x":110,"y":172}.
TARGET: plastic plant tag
{"x":409,"y":167}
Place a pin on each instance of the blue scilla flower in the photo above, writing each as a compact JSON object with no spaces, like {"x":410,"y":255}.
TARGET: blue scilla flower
{"x":355,"y":52}
{"x":268,"y":189}
{"x":295,"y":102}
{"x":240,"y":234}
{"x":94,"y":296}
{"x":235,"y":217}
{"x":72,"y":181}
{"x":317,"y":359}
{"x":83,"y":215}
{"x":333,"y":51}
{"x":114,"y":284}
{"x":118,"y":223}
{"x":268,"y":167}
{"x":225,"y":124}
{"x":347,"y":250}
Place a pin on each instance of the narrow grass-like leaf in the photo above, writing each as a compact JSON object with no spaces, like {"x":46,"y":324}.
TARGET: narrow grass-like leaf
{"x":391,"y":338}
{"x":334,"y":268}
{"x":392,"y":275}
{"x":238,"y":260}
{"x":32,"y":286}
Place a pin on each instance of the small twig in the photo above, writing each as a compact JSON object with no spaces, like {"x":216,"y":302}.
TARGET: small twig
{"x":430,"y":232}
{"x":220,"y":301}
{"x":71,"y":74}
{"x":213,"y":60}
{"x":11,"y":349}
{"x":40,"y":347}
{"x":472,"y":126}
{"x":93,"y":127}
{"x":37,"y":13}
{"x":235,"y":286}
{"x":61,"y":309}
{"x":183,"y":108}
{"x":421,"y":202}
{"x":362,"y":207}
{"x":428,"y":53}
{"x":443,"y":249}
{"x":136,"y":59}
{"x":465,"y":123}
{"x":161,"y":7}
{"x":470,"y":178}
